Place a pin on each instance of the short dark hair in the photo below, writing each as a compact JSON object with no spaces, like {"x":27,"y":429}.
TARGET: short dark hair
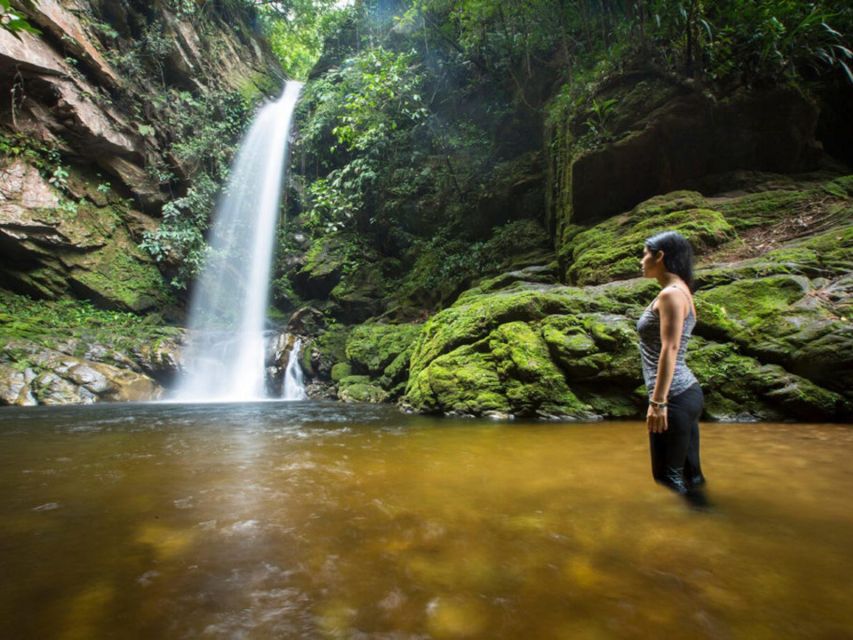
{"x":677,"y":254}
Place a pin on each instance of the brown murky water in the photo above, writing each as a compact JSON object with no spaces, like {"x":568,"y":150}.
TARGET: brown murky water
{"x":324,"y":521}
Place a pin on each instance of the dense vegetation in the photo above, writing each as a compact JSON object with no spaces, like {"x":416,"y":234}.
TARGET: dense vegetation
{"x":415,"y":126}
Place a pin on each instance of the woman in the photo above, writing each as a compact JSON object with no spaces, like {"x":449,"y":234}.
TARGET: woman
{"x":675,"y":397}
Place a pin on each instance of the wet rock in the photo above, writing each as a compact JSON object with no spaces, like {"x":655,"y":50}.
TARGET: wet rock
{"x":307,"y":321}
{"x":54,"y":377}
{"x":15,"y":387}
{"x":319,"y":390}
{"x":360,"y":389}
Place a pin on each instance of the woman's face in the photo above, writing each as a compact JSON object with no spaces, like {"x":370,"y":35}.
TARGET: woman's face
{"x":650,"y":265}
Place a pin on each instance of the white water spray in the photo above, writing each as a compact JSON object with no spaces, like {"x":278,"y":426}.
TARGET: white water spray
{"x":225,"y":357}
{"x":294,"y":388}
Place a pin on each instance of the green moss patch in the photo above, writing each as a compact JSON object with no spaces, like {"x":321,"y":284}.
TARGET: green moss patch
{"x":613,"y":249}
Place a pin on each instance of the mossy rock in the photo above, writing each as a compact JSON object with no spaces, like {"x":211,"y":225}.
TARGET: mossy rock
{"x":671,"y":202}
{"x":463,"y":381}
{"x":360,"y":389}
{"x":372,"y":347}
{"x":595,"y":346}
{"x":360,"y":293}
{"x":783,"y":319}
{"x":326,"y":351}
{"x":763,"y":208}
{"x":612,"y":250}
{"x":536,"y":274}
{"x":738,"y":387}
{"x":473,"y":318}
{"x":398,"y":371}
{"x":324,"y":265}
{"x":531,"y":381}
{"x":340,"y":370}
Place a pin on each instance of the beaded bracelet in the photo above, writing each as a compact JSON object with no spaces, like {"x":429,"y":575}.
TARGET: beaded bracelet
{"x":659,"y":405}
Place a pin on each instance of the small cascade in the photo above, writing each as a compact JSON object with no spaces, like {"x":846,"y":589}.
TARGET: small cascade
{"x":226,"y":353}
{"x":294,"y":387}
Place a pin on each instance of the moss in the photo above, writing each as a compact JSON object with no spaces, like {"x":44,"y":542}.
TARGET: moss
{"x":360,"y":389}
{"x":531,"y":381}
{"x":740,"y":387}
{"x":372,"y":347}
{"x":257,"y":86}
{"x":327,"y":350}
{"x":463,"y":381}
{"x":840,"y":187}
{"x":473,"y":318}
{"x":744,"y":306}
{"x":782,"y":319}
{"x":763,"y":208}
{"x":340,"y":370}
{"x":542,"y":274}
{"x":362,"y":392}
{"x":612,"y":249}
{"x":119,"y":276}
{"x":326,"y":258}
{"x":47,"y":322}
{"x":595,"y":346}
{"x":665,"y":204}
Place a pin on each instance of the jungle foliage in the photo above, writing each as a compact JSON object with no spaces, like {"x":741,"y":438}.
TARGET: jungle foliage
{"x":415,"y":104}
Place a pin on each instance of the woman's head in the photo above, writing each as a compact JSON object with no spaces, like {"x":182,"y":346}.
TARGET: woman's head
{"x":677,"y":255}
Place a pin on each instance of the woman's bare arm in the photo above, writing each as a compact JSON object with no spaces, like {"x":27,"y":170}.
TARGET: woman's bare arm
{"x":671,"y":313}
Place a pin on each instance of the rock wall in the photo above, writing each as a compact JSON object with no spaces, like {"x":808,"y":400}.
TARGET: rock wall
{"x":643,"y":134}
{"x":86,"y":131}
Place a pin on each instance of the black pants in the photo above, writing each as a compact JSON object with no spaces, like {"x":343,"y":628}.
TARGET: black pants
{"x":675,"y":452}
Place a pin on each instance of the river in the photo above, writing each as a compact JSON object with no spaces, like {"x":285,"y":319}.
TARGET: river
{"x":313,"y":520}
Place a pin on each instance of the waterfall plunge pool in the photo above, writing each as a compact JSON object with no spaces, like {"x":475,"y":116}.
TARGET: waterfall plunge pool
{"x":313,"y":520}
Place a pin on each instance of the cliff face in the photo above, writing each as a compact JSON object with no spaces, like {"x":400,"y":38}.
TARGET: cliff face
{"x":93,"y":109}
{"x":103,"y":118}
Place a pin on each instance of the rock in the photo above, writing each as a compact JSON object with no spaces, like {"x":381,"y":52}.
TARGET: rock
{"x":322,"y":270}
{"x":50,"y":389}
{"x":93,"y":380}
{"x":782,"y":319}
{"x":360,"y":389}
{"x":372,"y":347}
{"x":161,"y":360}
{"x":54,"y":378}
{"x":774,"y":347}
{"x":531,"y":381}
{"x":319,"y":390}
{"x":51,"y":251}
{"x":322,"y":353}
{"x":740,"y":388}
{"x":15,"y":387}
{"x":307,"y":321}
{"x":341,"y":370}
{"x":613,"y":249}
{"x":659,"y":148}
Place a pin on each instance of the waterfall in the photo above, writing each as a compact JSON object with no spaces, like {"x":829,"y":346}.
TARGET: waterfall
{"x":225,"y":356}
{"x":294,"y":389}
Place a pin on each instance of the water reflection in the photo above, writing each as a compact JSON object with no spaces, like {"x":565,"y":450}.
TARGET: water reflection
{"x":304,"y":520}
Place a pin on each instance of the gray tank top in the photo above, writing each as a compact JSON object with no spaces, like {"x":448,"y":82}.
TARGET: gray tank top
{"x":648,"y":326}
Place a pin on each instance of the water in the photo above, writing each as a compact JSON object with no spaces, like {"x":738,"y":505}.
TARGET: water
{"x":225,"y":358}
{"x":313,"y":520}
{"x":294,"y":388}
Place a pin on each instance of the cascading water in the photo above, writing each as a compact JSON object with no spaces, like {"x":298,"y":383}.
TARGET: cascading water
{"x":294,"y":388}
{"x":224,"y":360}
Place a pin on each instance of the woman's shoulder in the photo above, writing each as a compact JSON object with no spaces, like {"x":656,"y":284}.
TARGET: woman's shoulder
{"x":671,"y":298}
